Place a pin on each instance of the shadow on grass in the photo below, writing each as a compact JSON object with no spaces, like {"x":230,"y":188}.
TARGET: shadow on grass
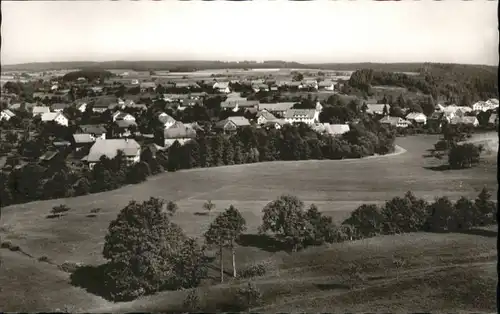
{"x":200,"y":214}
{"x":91,"y":215}
{"x":262,"y":241}
{"x":481,"y":232}
{"x":438,"y":168}
{"x":91,"y":278}
{"x":331,"y":286}
{"x":53,"y":216}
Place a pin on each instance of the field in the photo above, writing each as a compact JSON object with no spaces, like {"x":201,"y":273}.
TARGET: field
{"x":337,"y":187}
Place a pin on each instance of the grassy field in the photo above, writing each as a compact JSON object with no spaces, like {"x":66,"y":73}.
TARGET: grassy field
{"x":337,"y":187}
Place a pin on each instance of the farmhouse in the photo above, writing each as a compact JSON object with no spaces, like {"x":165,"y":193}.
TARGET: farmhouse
{"x":81,"y":105}
{"x":395,"y":121}
{"x":109,"y":148}
{"x":331,"y":129}
{"x":485,"y":105}
{"x":417,"y":118}
{"x":275,"y":124}
{"x":232,"y":124}
{"x":308,"y":116}
{"x":6,"y":115}
{"x":222,"y":87}
{"x":464,"y":120}
{"x":96,"y":131}
{"x":57,"y":117}
{"x":326,"y":85}
{"x":166,"y":120}
{"x":178,"y":132}
{"x":309,"y":84}
{"x":277,"y":109}
{"x":118,"y":116}
{"x":235,"y":105}
{"x":377,"y":108}
{"x":59,"y":107}
{"x":39,"y":110}
{"x":264,"y":116}
{"x":493,"y":120}
{"x":175,"y":97}
{"x":103,"y":103}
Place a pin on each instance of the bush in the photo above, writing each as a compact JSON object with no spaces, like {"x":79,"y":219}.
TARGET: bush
{"x":464,"y":156}
{"x":466,"y":213}
{"x":406,"y":214}
{"x":442,"y":216}
{"x":255,"y":270}
{"x":367,"y":221}
{"x":57,"y":210}
{"x":70,"y":267}
{"x":247,"y":297}
{"x":345,"y":232}
{"x":95,"y":210}
{"x":44,"y":259}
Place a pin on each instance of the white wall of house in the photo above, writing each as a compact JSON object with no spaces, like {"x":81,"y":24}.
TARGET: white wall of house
{"x":82,"y":107}
{"x":261,"y":120}
{"x":4,"y":116}
{"x":169,"y":141}
{"x":62,"y":120}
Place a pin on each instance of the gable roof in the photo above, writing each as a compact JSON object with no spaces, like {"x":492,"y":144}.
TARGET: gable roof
{"x":40,"y":109}
{"x":165,"y":118}
{"x":415,"y":115}
{"x":96,"y":129}
{"x":82,"y":138}
{"x":377,"y":108}
{"x":121,"y":115}
{"x":123,"y":124}
{"x":51,"y":116}
{"x":221,"y":85}
{"x":326,"y":83}
{"x":300,"y":113}
{"x":239,"y":121}
{"x":179,"y":131}
{"x":9,"y":113}
{"x":60,"y":106}
{"x":332,"y":129}
{"x":240,"y":103}
{"x":464,"y":120}
{"x":110,"y":148}
{"x":281,"y":106}
{"x":266,"y":115}
{"x":493,"y":118}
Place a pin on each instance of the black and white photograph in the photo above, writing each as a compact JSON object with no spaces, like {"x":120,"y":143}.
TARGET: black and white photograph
{"x":249,"y":156}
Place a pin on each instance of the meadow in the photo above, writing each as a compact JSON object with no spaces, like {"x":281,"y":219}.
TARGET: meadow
{"x":336,"y":187}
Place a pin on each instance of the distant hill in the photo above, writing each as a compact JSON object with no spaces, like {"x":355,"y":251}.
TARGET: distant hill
{"x":188,"y":65}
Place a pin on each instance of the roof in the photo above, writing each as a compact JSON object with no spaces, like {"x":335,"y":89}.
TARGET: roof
{"x":125,"y":123}
{"x":325,"y":83}
{"x":392,"y":120}
{"x":195,"y":126}
{"x":266,"y":115}
{"x":121,"y":115}
{"x":148,"y":85}
{"x":41,"y":109}
{"x":436,"y":115}
{"x":464,"y":120}
{"x":51,"y":116}
{"x":221,"y":85}
{"x":105,"y":101}
{"x":241,"y":103}
{"x":60,"y":106}
{"x":93,"y":129}
{"x":82,"y":138}
{"x":377,"y":108}
{"x":238,"y":121}
{"x":48,"y":155}
{"x":9,"y":113}
{"x":281,"y":106}
{"x":179,"y":131}
{"x":415,"y":115}
{"x":279,"y":121}
{"x":165,"y":118}
{"x":109,"y":148}
{"x":493,"y":118}
{"x":300,"y":113}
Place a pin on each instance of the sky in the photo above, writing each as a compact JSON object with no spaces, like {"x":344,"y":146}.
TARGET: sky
{"x":309,"y":32}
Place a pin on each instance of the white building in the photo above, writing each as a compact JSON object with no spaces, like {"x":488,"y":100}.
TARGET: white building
{"x":110,"y":148}
{"x":222,"y":87}
{"x":417,"y":118}
{"x":166,"y":120}
{"x":490,"y":104}
{"x":6,"y":115}
{"x":57,"y":117}
{"x":308,"y":116}
{"x":117,"y":116}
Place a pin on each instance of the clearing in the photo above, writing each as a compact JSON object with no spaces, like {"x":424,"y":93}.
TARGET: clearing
{"x":337,"y":187}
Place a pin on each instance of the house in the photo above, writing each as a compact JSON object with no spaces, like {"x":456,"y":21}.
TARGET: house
{"x":294,"y":85}
{"x":110,"y":148}
{"x":395,"y":121}
{"x":83,"y":141}
{"x":235,"y":105}
{"x":309,"y":84}
{"x":465,"y":120}
{"x":326,"y":85}
{"x":175,"y":97}
{"x":377,"y":108}
{"x":59,"y":107}
{"x":232,"y":124}
{"x":222,"y":87}
{"x":125,"y":127}
{"x":331,"y":129}
{"x":96,"y":131}
{"x":308,"y":116}
{"x":39,"y":110}
{"x":417,"y":118}
{"x":81,"y":105}
{"x":166,"y":120}
{"x":178,"y":132}
{"x":264,"y":116}
{"x":275,"y":124}
{"x":118,"y":116}
{"x":102,"y":103}
{"x":57,"y":117}
{"x":188,"y":85}
{"x":147,"y":85}
{"x":485,"y":105}
{"x":49,"y":157}
{"x":6,"y":115}
{"x":277,"y":109}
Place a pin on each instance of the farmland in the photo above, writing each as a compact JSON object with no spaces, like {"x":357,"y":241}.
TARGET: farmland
{"x":337,"y":187}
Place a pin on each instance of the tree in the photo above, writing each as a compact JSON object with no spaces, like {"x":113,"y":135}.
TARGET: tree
{"x":172,"y":208}
{"x":321,"y":228}
{"x":189,"y":265}
{"x":58,"y":210}
{"x":208,"y":206}
{"x":385,"y":111}
{"x":404,"y":214}
{"x":367,"y":219}
{"x":486,"y":208}
{"x":466,"y":213}
{"x":285,"y":217}
{"x":464,"y":156}
{"x":442,"y":215}
{"x":247,"y":297}
{"x":224,"y":231}
{"x":140,"y":245}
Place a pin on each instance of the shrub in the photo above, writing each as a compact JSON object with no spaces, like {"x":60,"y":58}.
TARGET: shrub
{"x":442,"y":216}
{"x":57,"y":210}
{"x":345,"y":232}
{"x":255,"y":270}
{"x":466,"y":214}
{"x":247,"y":297}
{"x":95,"y":210}
{"x":44,"y":259}
{"x":70,"y":267}
{"x":320,"y":228}
{"x":464,"y":156}
{"x":486,"y":208}
{"x":367,"y":221}
{"x":191,"y":302}
{"x":406,"y":214}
